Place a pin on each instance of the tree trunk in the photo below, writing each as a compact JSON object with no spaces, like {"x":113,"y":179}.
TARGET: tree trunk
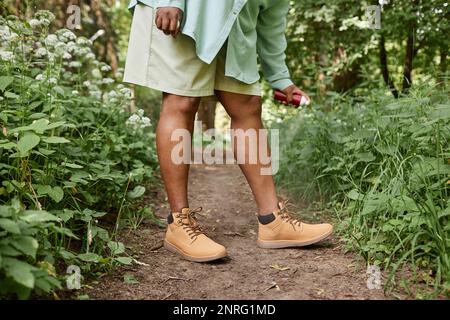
{"x":108,"y":50}
{"x":207,"y":113}
{"x":409,"y":57}
{"x":385,"y":69}
{"x":443,"y":66}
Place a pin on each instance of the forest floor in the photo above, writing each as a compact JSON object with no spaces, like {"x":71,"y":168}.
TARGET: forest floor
{"x":321,"y":271}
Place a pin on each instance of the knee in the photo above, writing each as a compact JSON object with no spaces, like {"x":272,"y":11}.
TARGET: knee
{"x":249,"y":108}
{"x":180,"y":105}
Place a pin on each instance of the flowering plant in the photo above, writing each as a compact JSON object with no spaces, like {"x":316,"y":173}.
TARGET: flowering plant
{"x":71,"y":154}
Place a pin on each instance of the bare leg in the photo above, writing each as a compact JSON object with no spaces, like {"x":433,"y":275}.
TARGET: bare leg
{"x":177,"y":113}
{"x":245,"y":113}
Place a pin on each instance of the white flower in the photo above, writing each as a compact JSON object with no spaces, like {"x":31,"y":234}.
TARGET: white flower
{"x":45,"y":22}
{"x":75,"y":64}
{"x":41,"y":52}
{"x":108,"y":81}
{"x":90,"y":56}
{"x":112,"y":94}
{"x":146,"y":122}
{"x":70,"y":35}
{"x":96,"y":73}
{"x":67,"y":56}
{"x":71,"y":46}
{"x":83,"y":42}
{"x":6,"y":55}
{"x":4,"y":33}
{"x":87,"y":83}
{"x":140,"y":112}
{"x":52,"y":80}
{"x":51,"y":40}
{"x":96,"y":93}
{"x":126,"y":92}
{"x":133,"y":119}
{"x":75,"y":92}
{"x":34,"y":23}
{"x":105,"y":68}
{"x":39,"y":77}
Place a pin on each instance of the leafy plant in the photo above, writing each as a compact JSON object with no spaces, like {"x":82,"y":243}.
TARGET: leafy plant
{"x":384,"y":165}
{"x":71,"y":155}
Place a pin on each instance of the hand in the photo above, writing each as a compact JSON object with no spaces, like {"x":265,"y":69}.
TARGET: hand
{"x":294,"y":90}
{"x":168,"y":20}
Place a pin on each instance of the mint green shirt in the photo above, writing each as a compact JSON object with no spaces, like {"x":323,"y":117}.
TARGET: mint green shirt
{"x":254,"y":28}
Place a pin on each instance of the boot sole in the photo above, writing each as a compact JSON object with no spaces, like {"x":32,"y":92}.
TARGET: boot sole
{"x":277,"y":244}
{"x":174,"y":249}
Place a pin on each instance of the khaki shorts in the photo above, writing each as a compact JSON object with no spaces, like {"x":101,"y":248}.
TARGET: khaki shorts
{"x":171,"y":65}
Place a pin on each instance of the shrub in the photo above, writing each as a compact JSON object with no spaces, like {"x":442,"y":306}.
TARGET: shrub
{"x":70,"y":154}
{"x":384,"y":165}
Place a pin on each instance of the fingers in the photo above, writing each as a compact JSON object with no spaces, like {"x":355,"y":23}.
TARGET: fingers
{"x":173,"y":28}
{"x":168,"y":20}
{"x":289,"y":96}
{"x":158,"y":21}
{"x":165,"y":27}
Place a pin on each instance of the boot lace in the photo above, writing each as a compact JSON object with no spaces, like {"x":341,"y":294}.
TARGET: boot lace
{"x":287,"y":216}
{"x":189,"y":222}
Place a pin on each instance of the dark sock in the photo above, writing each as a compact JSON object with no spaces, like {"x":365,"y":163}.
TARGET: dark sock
{"x":170,"y":218}
{"x":266,"y":219}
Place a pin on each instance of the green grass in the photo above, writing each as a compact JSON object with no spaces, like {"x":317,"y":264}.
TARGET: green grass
{"x":383,"y":164}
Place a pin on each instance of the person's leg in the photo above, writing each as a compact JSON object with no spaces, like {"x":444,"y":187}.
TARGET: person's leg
{"x":245,"y":113}
{"x":277,"y":228}
{"x":184,"y":235}
{"x":177,"y":112}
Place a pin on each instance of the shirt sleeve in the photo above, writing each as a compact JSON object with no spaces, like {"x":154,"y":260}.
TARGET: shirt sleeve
{"x":272,"y":44}
{"x":171,"y":3}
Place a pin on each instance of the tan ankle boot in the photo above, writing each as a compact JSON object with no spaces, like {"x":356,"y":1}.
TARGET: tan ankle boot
{"x":185,"y":237}
{"x":282,"y":230}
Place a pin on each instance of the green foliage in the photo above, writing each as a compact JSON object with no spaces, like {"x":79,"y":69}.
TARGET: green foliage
{"x":331,"y":46}
{"x":71,"y":154}
{"x":384,"y":165}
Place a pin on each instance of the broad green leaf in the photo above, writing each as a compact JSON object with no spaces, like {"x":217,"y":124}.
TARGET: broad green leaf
{"x":9,"y":225}
{"x":355,"y":195}
{"x":66,"y":232}
{"x":124,"y":260}
{"x":27,"y":245}
{"x":27,"y":142}
{"x":56,"y":194}
{"x":46,"y":152}
{"x":116,"y":247}
{"x":89,"y":257}
{"x":5,"y":81}
{"x":7,"y":145}
{"x":137,"y":192}
{"x":34,"y":216}
{"x":71,"y":165}
{"x":59,"y":90}
{"x":43,"y":189}
{"x":56,"y":140}
{"x":11,"y":95}
{"x":38,"y":115}
{"x":19,"y":271}
{"x":39,"y":125}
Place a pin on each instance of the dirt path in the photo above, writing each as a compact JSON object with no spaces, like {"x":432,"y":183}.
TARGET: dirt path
{"x":319,"y":272}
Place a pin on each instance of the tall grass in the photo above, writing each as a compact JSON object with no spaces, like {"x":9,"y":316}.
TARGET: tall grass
{"x":383,"y":164}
